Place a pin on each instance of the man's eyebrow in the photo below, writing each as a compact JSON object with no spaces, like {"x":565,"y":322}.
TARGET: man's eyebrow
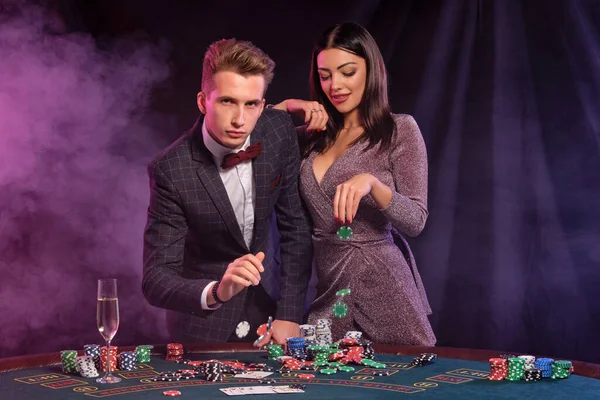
{"x":220,"y":98}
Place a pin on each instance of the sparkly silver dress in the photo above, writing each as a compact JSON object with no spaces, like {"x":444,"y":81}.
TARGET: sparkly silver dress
{"x":388,"y":302}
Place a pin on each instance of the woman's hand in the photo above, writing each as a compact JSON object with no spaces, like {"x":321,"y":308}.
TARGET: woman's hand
{"x":313,"y":112}
{"x":348,"y":196}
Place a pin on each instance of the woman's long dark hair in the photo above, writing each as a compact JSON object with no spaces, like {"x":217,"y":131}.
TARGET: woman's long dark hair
{"x":374,"y":107}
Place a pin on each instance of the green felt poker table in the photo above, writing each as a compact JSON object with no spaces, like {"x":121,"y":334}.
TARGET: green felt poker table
{"x":455,"y":374}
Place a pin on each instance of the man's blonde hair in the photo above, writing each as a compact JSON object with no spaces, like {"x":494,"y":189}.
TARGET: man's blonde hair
{"x":241,"y":57}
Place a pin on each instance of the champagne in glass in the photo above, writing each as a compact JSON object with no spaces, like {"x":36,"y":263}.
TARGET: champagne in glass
{"x":107,"y":319}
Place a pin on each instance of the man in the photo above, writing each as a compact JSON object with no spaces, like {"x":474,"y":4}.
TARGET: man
{"x":208,"y":229}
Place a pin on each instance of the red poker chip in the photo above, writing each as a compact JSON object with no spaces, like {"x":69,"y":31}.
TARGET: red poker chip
{"x":172,"y":393}
{"x":306,"y":376}
{"x":195,"y":363}
{"x":262,"y":330}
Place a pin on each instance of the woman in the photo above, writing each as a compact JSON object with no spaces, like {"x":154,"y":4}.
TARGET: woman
{"x":367,"y":170}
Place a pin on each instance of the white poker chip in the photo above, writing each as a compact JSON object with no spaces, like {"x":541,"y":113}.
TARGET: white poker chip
{"x":242,"y":329}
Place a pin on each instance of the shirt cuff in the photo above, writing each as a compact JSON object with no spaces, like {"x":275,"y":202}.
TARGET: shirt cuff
{"x":204,"y":297}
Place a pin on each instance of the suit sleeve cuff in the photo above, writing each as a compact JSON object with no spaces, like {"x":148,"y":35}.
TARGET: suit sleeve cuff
{"x":204,"y":298}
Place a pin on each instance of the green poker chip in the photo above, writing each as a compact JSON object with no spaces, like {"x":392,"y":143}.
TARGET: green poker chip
{"x":328,"y":371}
{"x":344,"y":233}
{"x":340,"y":310}
{"x":343,"y":292}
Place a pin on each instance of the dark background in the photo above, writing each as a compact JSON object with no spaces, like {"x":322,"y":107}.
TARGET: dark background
{"x":506,"y":94}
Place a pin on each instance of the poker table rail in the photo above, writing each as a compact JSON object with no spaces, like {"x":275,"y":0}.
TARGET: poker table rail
{"x":45,"y":360}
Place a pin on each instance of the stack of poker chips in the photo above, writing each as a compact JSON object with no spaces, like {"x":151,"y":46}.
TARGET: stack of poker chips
{"x":544,"y":365}
{"x":516,"y":369}
{"x":346,"y":343}
{"x":331,"y":359}
{"x":174,"y":352}
{"x":142,"y":353}
{"x":213,"y":371}
{"x":423,"y":359}
{"x":93,"y":350}
{"x":323,"y":332}
{"x":355,"y":354}
{"x":318,"y":354}
{"x":334,"y":348}
{"x":529,"y":362}
{"x":275,"y":351}
{"x":291,"y":364}
{"x":498,"y":369}
{"x":68,"y":359}
{"x":367,"y":345}
{"x":561,"y":369}
{"x":169,"y":376}
{"x":532,"y":374}
{"x":356,"y":335}
{"x":108,"y":358}
{"x":86,"y":367}
{"x":308,"y":332}
{"x":295,"y":347}
{"x":127,"y":361}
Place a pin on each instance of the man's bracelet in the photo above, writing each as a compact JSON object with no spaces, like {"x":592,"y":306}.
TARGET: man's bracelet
{"x":214,"y":293}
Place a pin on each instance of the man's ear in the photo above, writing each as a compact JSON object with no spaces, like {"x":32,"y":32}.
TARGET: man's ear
{"x":201,"y":100}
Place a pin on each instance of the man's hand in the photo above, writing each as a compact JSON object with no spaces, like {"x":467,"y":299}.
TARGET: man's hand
{"x":280,"y":332}
{"x":240,"y":274}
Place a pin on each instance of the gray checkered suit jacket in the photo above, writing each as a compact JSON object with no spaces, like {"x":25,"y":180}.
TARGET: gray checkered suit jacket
{"x":192,"y":233}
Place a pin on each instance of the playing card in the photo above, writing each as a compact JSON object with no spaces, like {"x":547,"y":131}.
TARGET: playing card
{"x":253,"y":374}
{"x":248,"y":390}
{"x":285,"y":389}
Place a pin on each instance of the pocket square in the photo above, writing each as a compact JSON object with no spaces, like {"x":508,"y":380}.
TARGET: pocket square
{"x":276,"y":181}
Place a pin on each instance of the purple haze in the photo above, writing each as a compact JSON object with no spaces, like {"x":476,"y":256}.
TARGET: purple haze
{"x":75,"y":136}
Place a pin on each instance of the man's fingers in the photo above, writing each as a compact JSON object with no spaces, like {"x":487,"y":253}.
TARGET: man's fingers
{"x":280,"y":341}
{"x":260,"y":256}
{"x":255,"y":261}
{"x":264,"y":341}
{"x":247,"y":271}
{"x":240,"y":280}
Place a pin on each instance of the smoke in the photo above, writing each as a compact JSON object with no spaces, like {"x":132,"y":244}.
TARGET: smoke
{"x":76,"y":133}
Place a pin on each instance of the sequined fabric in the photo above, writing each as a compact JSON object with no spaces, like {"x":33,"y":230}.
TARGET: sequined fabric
{"x":387,"y":303}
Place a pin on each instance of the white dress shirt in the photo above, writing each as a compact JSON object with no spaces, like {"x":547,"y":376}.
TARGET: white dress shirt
{"x":239,"y":184}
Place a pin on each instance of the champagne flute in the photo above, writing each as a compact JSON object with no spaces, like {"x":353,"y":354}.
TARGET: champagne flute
{"x":107,"y":319}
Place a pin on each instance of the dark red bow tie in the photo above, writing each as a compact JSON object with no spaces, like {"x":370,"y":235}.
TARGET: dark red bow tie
{"x":233,"y":159}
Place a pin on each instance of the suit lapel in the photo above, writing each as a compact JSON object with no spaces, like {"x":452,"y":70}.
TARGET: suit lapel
{"x":209,"y":176}
{"x":260,"y":167}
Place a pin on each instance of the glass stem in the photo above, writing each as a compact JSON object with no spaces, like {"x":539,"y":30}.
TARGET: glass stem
{"x":107,"y":359}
